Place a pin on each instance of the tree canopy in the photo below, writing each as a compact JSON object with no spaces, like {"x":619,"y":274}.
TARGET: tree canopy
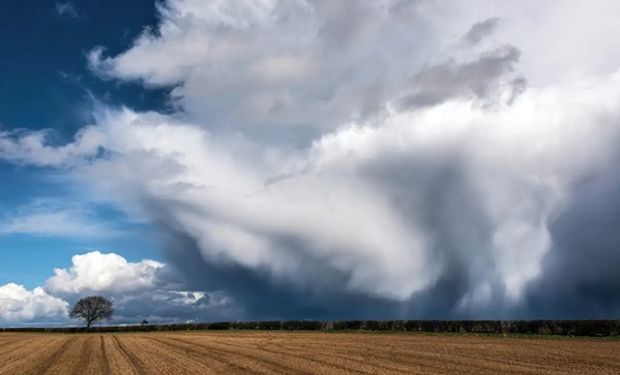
{"x":92,"y":309}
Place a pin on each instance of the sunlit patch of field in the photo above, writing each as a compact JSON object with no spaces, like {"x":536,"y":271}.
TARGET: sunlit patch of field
{"x":301,"y":353}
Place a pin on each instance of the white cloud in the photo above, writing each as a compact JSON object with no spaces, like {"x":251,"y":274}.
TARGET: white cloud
{"x":61,"y":223}
{"x":320,"y":63}
{"x":97,"y":272}
{"x":19,"y":305}
{"x":67,"y":9}
{"x":517,"y":165}
{"x":31,"y":147}
{"x":310,"y":63}
{"x":54,"y":218}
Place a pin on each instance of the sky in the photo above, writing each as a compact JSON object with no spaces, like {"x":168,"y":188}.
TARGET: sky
{"x":310,"y":159}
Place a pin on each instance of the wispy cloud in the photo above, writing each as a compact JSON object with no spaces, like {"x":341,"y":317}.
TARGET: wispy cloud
{"x":67,"y":9}
{"x":55,"y":218}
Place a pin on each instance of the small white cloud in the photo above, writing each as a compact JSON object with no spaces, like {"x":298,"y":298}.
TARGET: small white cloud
{"x":67,"y":9}
{"x":19,"y":305}
{"x":31,"y":147}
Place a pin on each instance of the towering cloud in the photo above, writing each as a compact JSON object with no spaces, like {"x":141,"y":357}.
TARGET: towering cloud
{"x":95,"y":271}
{"x":358,"y":159}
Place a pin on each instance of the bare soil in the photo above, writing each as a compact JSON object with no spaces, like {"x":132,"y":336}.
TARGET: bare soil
{"x":302,"y":353}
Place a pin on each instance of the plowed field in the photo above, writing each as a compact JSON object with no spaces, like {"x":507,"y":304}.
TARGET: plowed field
{"x":301,"y":353}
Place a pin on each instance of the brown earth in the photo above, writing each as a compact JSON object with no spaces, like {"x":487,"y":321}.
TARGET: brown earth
{"x":302,"y":353}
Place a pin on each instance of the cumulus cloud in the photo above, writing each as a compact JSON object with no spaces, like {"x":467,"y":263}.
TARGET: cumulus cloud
{"x":19,"y":305}
{"x":144,"y":289}
{"x":413,"y":173}
{"x":94,"y":271}
{"x":139,"y":290}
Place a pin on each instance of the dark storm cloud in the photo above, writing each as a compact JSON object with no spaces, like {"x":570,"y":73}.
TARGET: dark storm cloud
{"x":260,"y":297}
{"x":449,"y":212}
{"x":480,"y":31}
{"x":479,"y":79}
{"x":580,"y":276}
{"x":173,"y":306}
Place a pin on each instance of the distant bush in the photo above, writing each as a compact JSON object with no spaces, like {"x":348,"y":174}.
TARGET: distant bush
{"x":541,"y":327}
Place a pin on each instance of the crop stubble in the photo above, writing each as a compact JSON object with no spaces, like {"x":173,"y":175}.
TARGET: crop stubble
{"x":301,"y":353}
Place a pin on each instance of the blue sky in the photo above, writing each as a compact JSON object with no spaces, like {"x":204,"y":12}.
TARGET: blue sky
{"x":309,"y":159}
{"x":46,"y":84}
{"x":45,"y":79}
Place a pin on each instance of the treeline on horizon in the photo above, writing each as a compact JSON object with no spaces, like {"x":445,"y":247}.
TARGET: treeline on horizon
{"x":540,"y":327}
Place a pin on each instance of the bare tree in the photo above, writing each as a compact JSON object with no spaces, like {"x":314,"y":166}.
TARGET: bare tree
{"x":92,"y":309}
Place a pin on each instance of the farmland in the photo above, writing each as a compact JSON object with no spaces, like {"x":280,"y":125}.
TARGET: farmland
{"x":262,"y":352}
